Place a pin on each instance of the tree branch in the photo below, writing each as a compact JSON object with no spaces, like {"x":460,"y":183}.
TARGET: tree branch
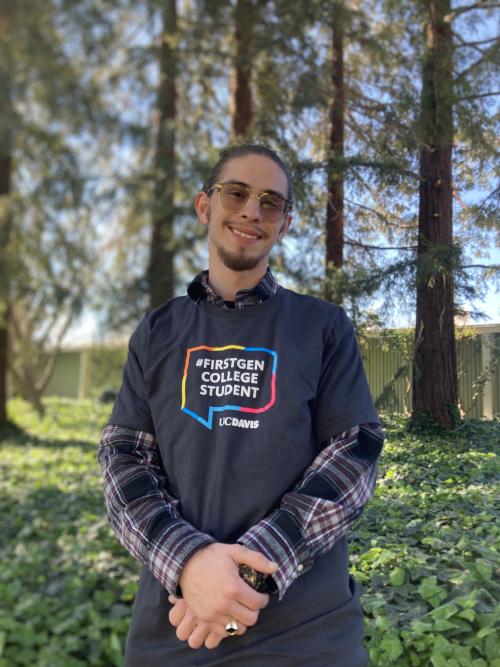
{"x":472,"y":45}
{"x":379,"y":247}
{"x":468,"y":8}
{"x":464,"y":72}
{"x":379,"y":215}
{"x":476,"y":97}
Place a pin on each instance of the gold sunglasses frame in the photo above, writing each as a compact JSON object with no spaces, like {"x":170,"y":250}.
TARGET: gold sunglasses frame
{"x":258,"y":196}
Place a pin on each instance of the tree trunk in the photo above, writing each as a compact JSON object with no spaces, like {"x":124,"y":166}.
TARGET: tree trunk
{"x":6,"y":116}
{"x":435,"y":390}
{"x":25,"y":384}
{"x":5,"y":225}
{"x":241,"y":75}
{"x":335,"y":204}
{"x":161,"y":267}
{"x":3,"y":369}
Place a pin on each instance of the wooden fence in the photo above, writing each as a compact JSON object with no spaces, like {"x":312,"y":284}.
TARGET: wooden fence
{"x":89,"y":371}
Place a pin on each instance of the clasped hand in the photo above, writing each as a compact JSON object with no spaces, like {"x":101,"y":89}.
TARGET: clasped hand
{"x":214,"y":594}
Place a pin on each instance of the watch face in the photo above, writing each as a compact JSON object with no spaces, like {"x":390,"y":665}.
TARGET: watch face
{"x":249,"y":575}
{"x":257,"y":580}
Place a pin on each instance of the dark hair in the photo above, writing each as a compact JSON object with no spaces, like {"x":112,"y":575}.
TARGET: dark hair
{"x":243,"y":150}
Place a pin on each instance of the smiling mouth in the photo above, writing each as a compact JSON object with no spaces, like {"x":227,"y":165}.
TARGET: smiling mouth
{"x":245,"y":235}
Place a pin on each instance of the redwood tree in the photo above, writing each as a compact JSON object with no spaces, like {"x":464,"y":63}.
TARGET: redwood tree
{"x":5,"y":184}
{"x":161,"y":263}
{"x":335,"y":204}
{"x":245,"y":17}
{"x":435,"y":391}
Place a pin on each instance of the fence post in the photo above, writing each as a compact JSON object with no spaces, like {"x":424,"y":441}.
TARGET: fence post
{"x":82,"y":373}
{"x":486,"y":347}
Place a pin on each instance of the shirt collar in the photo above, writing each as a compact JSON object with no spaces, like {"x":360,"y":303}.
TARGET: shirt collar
{"x":200,"y":290}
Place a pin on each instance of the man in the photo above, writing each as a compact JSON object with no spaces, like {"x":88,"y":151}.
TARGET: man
{"x":241,"y":447}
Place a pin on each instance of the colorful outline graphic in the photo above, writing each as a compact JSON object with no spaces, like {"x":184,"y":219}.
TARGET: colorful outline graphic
{"x":209,"y":421}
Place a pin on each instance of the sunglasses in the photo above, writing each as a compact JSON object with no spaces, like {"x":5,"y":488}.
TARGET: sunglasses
{"x":234,"y":196}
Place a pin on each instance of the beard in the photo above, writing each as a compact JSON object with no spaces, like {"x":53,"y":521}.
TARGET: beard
{"x":236,"y":261}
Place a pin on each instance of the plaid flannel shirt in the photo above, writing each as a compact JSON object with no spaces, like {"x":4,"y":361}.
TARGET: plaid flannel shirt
{"x":310,"y":519}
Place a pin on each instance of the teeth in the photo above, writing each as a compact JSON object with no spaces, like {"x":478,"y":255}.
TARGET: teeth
{"x":245,"y":236}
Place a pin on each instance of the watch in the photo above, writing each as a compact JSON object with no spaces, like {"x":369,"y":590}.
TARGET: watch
{"x":262,"y":583}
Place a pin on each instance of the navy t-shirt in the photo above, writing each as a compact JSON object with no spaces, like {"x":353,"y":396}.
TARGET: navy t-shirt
{"x":240,"y":402}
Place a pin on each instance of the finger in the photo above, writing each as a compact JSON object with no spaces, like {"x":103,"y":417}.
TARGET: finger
{"x":186,"y":627}
{"x":172,"y":599}
{"x":199,"y":635}
{"x":213,"y":640}
{"x":255,"y":559}
{"x":248,"y":597}
{"x":177,"y":613}
{"x":242,"y":628}
{"x":220,"y":630}
{"x":242,"y":614}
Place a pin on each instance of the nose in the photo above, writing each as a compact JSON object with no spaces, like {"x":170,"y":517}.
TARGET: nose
{"x":251,"y":210}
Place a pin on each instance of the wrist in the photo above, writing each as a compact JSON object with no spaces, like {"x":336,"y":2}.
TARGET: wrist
{"x":190,"y":564}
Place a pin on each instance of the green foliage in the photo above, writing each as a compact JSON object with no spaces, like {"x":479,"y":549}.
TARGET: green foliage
{"x":424,"y":551}
{"x":426,"y":548}
{"x":66,"y":585}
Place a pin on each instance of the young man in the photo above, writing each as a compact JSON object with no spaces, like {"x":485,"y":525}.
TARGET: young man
{"x":241,"y":447}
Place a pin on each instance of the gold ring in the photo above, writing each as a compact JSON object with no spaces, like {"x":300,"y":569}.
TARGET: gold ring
{"x":231,"y":628}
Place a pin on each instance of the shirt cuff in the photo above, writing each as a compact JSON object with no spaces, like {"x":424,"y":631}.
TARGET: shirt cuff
{"x":168,"y":555}
{"x":267,"y":537}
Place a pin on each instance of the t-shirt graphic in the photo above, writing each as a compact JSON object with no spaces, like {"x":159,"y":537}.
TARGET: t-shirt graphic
{"x":230,"y":378}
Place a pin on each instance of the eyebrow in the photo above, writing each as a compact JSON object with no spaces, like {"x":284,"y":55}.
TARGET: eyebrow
{"x":246,"y":185}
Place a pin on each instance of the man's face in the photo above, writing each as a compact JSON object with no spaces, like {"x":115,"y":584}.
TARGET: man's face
{"x":242,"y":241}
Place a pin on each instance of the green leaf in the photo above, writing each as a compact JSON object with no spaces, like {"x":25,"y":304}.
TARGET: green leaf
{"x":485,"y":569}
{"x":431,"y":591}
{"x":484,"y":632}
{"x":441,"y":645}
{"x":392,"y":647}
{"x":397,"y":577}
{"x":488,"y":620}
{"x":444,"y":612}
{"x":442,"y":625}
{"x":468,"y":614}
{"x":115,"y":644}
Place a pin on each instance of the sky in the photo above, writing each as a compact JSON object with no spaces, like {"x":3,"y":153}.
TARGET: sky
{"x":85,"y":330}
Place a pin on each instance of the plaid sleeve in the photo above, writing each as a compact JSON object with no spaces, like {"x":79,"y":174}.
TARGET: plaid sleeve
{"x":141,"y":511}
{"x":319,"y":510}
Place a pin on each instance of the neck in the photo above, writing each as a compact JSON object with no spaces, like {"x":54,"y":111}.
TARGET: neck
{"x":226,"y":282}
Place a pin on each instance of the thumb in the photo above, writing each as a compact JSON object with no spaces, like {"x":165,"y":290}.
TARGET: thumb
{"x":255,"y":559}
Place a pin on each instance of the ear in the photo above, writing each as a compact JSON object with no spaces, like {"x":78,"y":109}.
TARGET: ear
{"x":202,"y":205}
{"x":285,"y":226}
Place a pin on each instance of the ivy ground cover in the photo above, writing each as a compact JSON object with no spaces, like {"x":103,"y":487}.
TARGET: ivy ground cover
{"x":425,"y":550}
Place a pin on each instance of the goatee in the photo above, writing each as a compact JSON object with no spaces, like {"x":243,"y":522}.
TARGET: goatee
{"x":237,"y":263}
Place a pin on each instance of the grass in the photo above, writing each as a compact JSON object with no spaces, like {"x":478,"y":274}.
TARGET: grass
{"x":424,"y":551}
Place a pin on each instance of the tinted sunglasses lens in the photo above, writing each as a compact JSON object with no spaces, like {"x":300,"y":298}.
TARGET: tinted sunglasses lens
{"x":233,"y":197}
{"x":272,"y":207}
